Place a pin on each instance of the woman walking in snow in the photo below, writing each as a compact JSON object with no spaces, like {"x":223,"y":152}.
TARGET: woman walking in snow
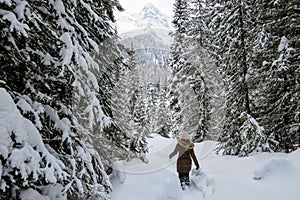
{"x":185,"y":148}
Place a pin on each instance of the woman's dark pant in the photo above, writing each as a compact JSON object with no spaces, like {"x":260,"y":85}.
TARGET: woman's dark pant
{"x":184,"y":179}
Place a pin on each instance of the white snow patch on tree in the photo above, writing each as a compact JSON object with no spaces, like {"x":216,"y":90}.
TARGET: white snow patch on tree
{"x":20,"y":9}
{"x":27,"y":160}
{"x":5,"y":146}
{"x":54,"y":192}
{"x":67,"y":52}
{"x":284,"y":44}
{"x":1,"y":170}
{"x":7,"y":2}
{"x":59,"y":7}
{"x":14,"y":22}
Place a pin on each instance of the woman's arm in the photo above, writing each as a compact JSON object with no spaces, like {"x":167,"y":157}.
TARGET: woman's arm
{"x":174,"y":152}
{"x":192,"y":153}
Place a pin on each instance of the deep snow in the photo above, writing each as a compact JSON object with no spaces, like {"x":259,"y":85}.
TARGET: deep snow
{"x":264,"y":176}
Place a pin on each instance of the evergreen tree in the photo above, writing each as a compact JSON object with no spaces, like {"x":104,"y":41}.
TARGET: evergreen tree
{"x":180,"y":22}
{"x":178,"y":62}
{"x":204,"y":78}
{"x":194,"y":90}
{"x":162,"y":120}
{"x":48,"y":68}
{"x":262,"y":76}
{"x":151,"y":99}
{"x":278,"y":66}
{"x":140,"y":123}
{"x":116,"y":145}
{"x":253,"y":137}
{"x":233,"y":40}
{"x":125,"y":103}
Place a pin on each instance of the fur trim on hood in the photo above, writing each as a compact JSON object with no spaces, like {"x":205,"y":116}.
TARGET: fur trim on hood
{"x":187,"y":144}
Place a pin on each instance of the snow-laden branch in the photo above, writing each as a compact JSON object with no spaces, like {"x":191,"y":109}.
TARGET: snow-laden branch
{"x":23,"y":149}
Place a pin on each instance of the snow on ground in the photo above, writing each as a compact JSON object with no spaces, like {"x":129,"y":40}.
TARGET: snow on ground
{"x":274,"y":176}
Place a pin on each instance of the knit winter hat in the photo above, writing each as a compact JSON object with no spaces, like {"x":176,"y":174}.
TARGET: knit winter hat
{"x":185,"y":136}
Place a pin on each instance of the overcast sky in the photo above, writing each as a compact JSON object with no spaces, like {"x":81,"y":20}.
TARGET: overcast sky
{"x":166,"y":6}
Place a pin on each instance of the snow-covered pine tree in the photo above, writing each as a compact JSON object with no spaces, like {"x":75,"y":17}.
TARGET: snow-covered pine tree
{"x":178,"y":62}
{"x":180,"y":22}
{"x":47,"y":66}
{"x":205,"y":78}
{"x":162,"y":124}
{"x":133,"y":80}
{"x":138,"y":142}
{"x":116,"y":144}
{"x":233,"y":25}
{"x":26,"y":160}
{"x":193,"y":118}
{"x":197,"y":82}
{"x":193,"y":111}
{"x":151,"y":98}
{"x":198,"y":31}
{"x":124,"y":101}
{"x":277,"y":56}
{"x":253,"y":137}
{"x":141,"y":131}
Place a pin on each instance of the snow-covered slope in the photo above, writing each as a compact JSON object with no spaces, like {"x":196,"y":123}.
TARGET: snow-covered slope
{"x":149,"y":18}
{"x":265,"y":176}
{"x":161,"y":35}
{"x":148,"y":28}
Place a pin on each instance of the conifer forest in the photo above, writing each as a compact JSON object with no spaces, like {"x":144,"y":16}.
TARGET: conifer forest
{"x":75,"y":98}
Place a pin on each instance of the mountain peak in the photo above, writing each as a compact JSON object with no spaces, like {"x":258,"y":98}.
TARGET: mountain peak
{"x":150,"y":17}
{"x":153,"y":16}
{"x":150,"y":6}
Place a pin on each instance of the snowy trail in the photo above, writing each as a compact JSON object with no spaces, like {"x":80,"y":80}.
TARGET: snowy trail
{"x":161,"y":184}
{"x":265,"y":176}
{"x":156,"y":180}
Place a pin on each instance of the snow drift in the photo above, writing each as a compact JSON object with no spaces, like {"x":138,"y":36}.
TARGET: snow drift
{"x":220,"y":178}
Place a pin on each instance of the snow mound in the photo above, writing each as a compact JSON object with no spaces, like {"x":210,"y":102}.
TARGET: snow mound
{"x":206,"y":149}
{"x":295,"y":156}
{"x":159,"y":185}
{"x":274,"y":166}
{"x":202,"y":182}
{"x":118,"y":172}
{"x":30,"y":194}
{"x":170,"y":189}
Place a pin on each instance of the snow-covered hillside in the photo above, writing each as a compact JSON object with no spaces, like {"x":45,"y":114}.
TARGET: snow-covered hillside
{"x":265,"y":176}
{"x":148,"y":33}
{"x":142,"y":38}
{"x":149,"y":28}
{"x":149,"y":18}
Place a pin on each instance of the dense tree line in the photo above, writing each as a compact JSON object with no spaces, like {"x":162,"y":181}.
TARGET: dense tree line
{"x":195,"y":87}
{"x":73,"y":100}
{"x":59,"y":62}
{"x":254,"y":47}
{"x":140,"y":100}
